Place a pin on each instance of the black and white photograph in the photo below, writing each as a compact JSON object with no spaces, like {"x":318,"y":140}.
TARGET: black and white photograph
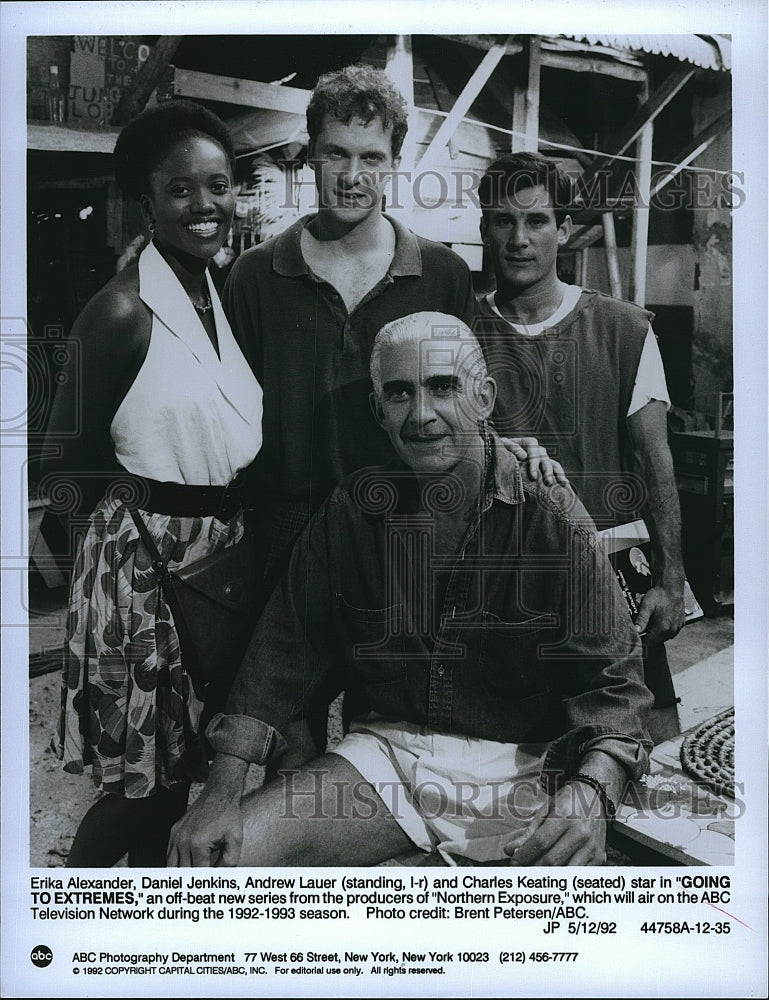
{"x":384,"y":446}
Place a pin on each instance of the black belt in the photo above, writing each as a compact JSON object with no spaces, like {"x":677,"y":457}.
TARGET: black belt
{"x":180,"y":500}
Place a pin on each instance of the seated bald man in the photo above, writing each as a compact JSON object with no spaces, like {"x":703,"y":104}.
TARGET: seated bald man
{"x":493,"y":678}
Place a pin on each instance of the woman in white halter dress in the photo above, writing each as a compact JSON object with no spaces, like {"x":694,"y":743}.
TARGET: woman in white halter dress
{"x":167,"y":396}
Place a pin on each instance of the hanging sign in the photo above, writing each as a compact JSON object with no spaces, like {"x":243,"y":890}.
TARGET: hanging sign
{"x":101,"y":69}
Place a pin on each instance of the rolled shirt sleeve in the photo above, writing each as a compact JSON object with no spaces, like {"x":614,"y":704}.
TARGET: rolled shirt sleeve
{"x":244,"y":737}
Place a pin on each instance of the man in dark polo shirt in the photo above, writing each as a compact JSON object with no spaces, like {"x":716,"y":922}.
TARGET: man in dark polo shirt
{"x":306,"y":305}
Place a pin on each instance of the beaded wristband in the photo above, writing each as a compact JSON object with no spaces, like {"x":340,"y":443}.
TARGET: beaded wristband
{"x":609,"y":808}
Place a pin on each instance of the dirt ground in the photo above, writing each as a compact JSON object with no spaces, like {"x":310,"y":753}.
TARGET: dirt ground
{"x":58,"y":801}
{"x":53,"y":816}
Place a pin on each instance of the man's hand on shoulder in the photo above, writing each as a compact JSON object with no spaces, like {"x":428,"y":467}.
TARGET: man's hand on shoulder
{"x":536,"y":461}
{"x":210,"y":833}
{"x":571,"y":832}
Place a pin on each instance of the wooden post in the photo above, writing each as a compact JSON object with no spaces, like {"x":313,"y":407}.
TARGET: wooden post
{"x":582,"y":259}
{"x":463,"y":103}
{"x":400,"y":69}
{"x":526,"y":103}
{"x":585,"y":235}
{"x":134,"y":99}
{"x":640,"y":238}
{"x":633,"y":128}
{"x":612,"y":261}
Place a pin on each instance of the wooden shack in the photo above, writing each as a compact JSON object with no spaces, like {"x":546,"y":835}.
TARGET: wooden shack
{"x":643,"y":123}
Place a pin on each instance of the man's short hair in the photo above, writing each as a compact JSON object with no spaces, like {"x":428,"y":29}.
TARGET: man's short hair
{"x":425,"y":326}
{"x":358,"y":92}
{"x":515,"y":172}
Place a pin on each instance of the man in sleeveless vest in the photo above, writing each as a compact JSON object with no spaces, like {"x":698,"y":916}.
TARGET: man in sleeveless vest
{"x":582,"y":371}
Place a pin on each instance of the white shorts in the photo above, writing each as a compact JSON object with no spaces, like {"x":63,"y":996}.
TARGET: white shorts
{"x":460,"y":796}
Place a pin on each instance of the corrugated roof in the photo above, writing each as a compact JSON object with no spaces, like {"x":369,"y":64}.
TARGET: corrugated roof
{"x":707,"y":51}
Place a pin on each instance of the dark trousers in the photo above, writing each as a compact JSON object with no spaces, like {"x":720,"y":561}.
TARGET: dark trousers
{"x":657,"y":675}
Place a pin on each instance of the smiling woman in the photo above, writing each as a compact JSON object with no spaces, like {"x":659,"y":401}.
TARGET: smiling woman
{"x":190,"y":199}
{"x":170,"y":408}
{"x":177,"y":162}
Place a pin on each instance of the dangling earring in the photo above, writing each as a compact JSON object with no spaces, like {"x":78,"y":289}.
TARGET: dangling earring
{"x":151,"y":227}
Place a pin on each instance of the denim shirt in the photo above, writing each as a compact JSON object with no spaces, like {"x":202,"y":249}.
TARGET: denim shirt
{"x":520,"y":636}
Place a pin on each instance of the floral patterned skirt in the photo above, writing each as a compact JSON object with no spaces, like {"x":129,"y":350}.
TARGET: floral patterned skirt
{"x":128,"y":707}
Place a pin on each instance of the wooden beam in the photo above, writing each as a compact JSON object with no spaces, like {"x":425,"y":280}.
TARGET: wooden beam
{"x":148,"y":77}
{"x":582,"y":261}
{"x":695,"y":148}
{"x":630,"y":133}
{"x":648,"y":111}
{"x":585,"y":238}
{"x":249,"y":93}
{"x":570,"y":46}
{"x":639,"y":241}
{"x":585,"y":235}
{"x":512,"y":47}
{"x":399,"y":65}
{"x":400,"y":69}
{"x":612,"y":260}
{"x":591,"y":64}
{"x":525,"y":137}
{"x":464,"y":102}
{"x":495,"y":95}
{"x":67,"y":138}
{"x":444,"y":99}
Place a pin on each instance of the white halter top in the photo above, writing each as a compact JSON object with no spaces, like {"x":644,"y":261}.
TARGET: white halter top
{"x":190,"y":417}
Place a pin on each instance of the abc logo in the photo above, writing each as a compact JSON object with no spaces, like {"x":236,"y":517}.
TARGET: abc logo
{"x":41,"y":956}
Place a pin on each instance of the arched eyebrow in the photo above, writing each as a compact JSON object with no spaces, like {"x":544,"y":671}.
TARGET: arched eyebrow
{"x":188,"y":178}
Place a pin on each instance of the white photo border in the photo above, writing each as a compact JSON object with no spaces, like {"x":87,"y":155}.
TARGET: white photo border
{"x":743,"y":968}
